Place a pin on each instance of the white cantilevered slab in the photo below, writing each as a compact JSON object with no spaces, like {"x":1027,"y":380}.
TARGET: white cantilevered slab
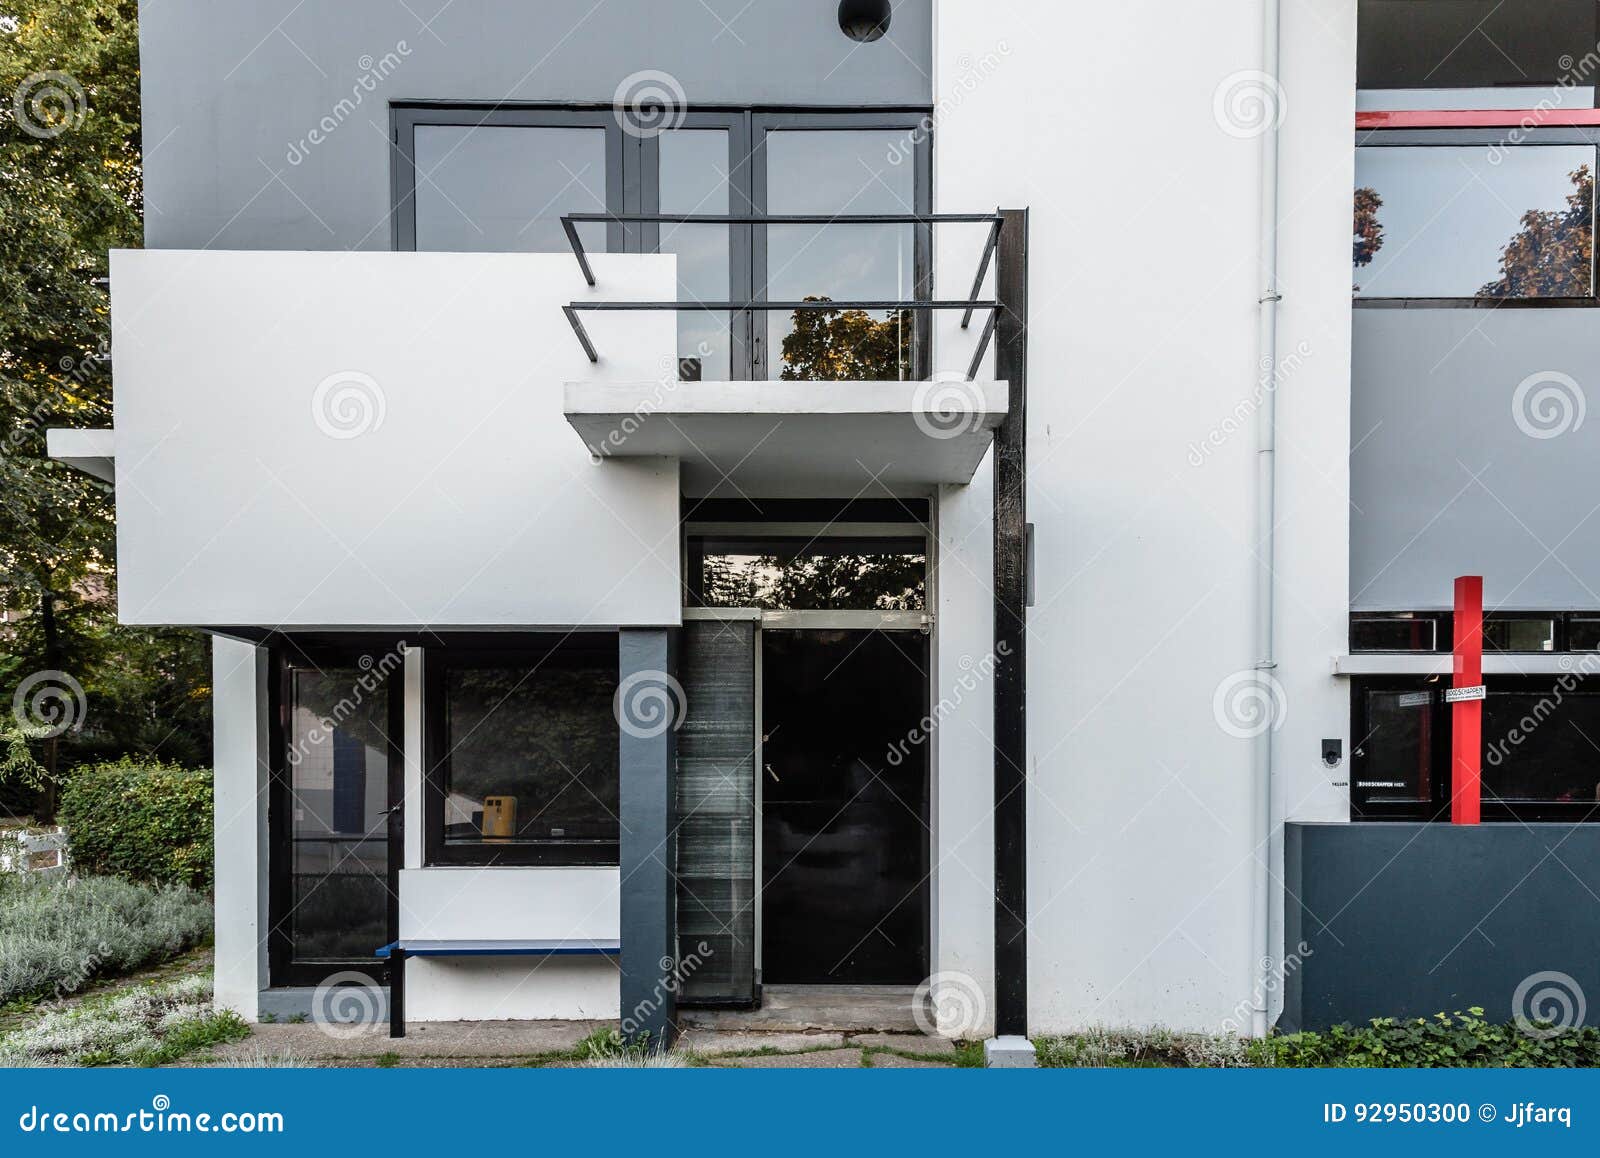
{"x":828,"y":434}
{"x":92,"y":451}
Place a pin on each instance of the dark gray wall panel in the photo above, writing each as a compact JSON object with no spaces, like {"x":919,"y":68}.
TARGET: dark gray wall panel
{"x":1409,"y":920}
{"x":1445,"y":480}
{"x":233,"y":91}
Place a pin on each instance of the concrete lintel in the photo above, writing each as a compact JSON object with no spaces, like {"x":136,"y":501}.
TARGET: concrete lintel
{"x":92,"y":451}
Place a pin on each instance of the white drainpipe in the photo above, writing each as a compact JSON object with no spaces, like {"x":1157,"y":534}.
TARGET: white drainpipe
{"x":1263,"y":799}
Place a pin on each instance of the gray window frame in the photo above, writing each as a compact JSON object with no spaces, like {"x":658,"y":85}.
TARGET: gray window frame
{"x":632,"y":186}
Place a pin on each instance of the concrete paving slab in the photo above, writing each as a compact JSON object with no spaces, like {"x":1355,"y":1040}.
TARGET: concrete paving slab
{"x":711,"y":1042}
{"x":907,"y":1043}
{"x":889,"y":1061}
{"x":829,"y":1059}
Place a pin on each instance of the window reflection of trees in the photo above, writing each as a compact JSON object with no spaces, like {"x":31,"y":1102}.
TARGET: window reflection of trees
{"x":816,"y":582}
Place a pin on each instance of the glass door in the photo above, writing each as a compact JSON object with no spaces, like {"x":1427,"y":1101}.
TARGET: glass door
{"x":337,"y":753}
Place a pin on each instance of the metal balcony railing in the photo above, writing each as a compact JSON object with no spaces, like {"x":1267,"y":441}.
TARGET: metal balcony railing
{"x":968,"y":305}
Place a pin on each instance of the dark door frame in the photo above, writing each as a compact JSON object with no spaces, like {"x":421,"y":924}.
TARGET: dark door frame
{"x":282,"y":969}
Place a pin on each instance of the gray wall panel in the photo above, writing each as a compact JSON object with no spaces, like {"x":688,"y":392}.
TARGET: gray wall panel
{"x":1445,"y":478}
{"x":1409,"y":920}
{"x":233,"y":91}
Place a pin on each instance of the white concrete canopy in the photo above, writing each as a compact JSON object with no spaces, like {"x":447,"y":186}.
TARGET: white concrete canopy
{"x":828,"y":434}
{"x":92,"y":451}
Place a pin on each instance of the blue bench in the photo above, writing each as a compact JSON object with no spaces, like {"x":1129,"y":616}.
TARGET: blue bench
{"x":397,"y":951}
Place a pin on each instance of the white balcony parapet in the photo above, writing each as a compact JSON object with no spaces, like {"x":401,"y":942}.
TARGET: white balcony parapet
{"x":838,"y":436}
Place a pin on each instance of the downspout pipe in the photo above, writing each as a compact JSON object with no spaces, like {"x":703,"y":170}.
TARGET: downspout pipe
{"x":1263,"y":795}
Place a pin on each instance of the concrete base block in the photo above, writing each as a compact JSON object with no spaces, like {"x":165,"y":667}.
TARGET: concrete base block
{"x":1008,"y":1053}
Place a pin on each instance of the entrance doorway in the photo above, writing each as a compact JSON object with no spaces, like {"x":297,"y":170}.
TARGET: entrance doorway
{"x":844,"y":814}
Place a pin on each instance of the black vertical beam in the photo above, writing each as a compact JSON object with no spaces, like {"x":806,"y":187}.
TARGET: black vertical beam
{"x":395,"y":689}
{"x":1010,"y":633}
{"x":649,"y":709}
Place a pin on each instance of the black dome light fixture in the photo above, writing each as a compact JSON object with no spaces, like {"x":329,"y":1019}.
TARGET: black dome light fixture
{"x":864,"y":20}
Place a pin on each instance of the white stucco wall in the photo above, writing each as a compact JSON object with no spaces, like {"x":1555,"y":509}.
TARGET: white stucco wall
{"x":460,"y":903}
{"x":1111,"y":123}
{"x":239,"y":722}
{"x":376,"y":439}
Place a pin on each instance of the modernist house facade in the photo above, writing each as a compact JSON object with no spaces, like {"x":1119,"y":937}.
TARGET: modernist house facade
{"x":696,"y":500}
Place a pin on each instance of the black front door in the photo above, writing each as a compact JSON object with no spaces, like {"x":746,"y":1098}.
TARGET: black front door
{"x":844,"y":807}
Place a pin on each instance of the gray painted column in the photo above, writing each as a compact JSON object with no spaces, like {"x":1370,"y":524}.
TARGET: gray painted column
{"x":649,"y":708}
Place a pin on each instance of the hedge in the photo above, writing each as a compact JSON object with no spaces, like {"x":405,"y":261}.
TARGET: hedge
{"x":142,"y":821}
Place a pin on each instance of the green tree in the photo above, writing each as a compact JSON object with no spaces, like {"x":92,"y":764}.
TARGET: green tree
{"x":70,"y":190}
{"x":848,"y":345}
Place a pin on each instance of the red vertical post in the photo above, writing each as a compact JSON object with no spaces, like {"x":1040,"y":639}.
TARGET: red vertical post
{"x":1466,"y":694}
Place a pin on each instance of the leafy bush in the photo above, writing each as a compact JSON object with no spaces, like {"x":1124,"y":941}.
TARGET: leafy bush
{"x":147,"y":1026}
{"x":1444,"y":1040}
{"x":58,"y":933}
{"x":145,"y":822}
{"x":1463,"y":1040}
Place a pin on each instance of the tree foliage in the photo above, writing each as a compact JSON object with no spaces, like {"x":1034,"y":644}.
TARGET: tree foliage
{"x":1550,"y":255}
{"x":70,"y":190}
{"x":847,"y":345}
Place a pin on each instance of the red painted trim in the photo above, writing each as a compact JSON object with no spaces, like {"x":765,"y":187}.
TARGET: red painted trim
{"x":1466,"y":744}
{"x":1477,"y":118}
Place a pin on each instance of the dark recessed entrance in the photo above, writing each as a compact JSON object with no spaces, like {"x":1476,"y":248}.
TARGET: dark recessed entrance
{"x":844,"y":824}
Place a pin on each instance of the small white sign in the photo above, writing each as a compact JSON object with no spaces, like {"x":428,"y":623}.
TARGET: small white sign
{"x":1458,"y":695}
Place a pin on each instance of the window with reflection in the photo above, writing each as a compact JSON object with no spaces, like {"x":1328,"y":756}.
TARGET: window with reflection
{"x":1395,"y":751}
{"x":694,"y":178}
{"x":1474,"y":221}
{"x":1542,"y":745}
{"x":498,"y":188}
{"x":801,"y":573}
{"x":840,"y":171}
{"x":1470,"y":43}
{"x":336,"y":745}
{"x":523,"y":753}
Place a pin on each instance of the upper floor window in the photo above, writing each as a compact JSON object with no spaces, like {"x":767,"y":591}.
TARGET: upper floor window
{"x":1474,"y":221}
{"x":500,"y":180}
